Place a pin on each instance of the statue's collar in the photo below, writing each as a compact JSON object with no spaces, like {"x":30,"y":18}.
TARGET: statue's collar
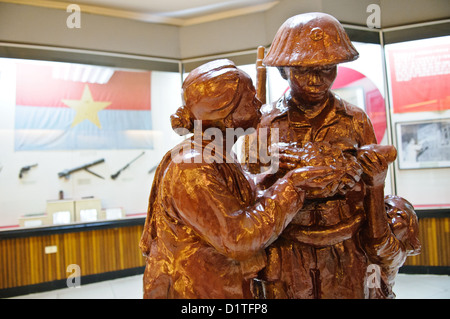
{"x":327,"y":116}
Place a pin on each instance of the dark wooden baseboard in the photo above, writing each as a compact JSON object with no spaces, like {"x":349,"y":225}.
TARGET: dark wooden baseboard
{"x":61,"y":284}
{"x":425,"y":270}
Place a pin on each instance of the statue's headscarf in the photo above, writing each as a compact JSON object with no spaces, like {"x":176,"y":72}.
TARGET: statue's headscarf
{"x":210,"y":93}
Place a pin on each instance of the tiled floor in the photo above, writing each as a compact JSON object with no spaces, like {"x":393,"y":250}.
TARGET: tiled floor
{"x":406,"y":287}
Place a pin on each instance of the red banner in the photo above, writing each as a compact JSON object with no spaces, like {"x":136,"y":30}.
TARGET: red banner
{"x":420,"y":78}
{"x":50,"y":84}
{"x":64,"y":106}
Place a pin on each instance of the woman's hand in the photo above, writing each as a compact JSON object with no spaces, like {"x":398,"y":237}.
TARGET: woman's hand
{"x":290,"y":155}
{"x":316,"y":181}
{"x":351,"y":177}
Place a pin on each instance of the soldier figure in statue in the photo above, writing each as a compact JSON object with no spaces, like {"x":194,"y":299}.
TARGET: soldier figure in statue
{"x":332,"y":242}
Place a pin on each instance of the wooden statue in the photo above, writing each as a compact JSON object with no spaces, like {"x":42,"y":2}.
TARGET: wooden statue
{"x":207,"y":227}
{"x":318,"y":225}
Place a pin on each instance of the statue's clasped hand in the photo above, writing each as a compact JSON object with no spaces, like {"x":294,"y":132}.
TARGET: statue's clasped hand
{"x":317,"y":181}
{"x":347,"y":170}
{"x":374,"y":160}
{"x":350,"y":180}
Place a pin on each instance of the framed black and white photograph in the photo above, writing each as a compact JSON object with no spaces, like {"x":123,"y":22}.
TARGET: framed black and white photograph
{"x":424,"y":144}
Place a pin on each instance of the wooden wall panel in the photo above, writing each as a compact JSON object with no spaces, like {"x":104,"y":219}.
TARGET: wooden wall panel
{"x":434,"y":234}
{"x":24,"y":261}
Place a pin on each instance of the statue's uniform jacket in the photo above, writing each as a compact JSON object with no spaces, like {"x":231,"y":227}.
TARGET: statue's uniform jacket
{"x":319,"y":254}
{"x":205,"y":231}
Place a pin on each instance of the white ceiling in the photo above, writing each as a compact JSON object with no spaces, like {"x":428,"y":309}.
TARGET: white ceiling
{"x":174,"y":12}
{"x":174,"y":8}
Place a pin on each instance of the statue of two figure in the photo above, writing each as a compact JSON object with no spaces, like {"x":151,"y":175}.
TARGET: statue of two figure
{"x":318,"y":225}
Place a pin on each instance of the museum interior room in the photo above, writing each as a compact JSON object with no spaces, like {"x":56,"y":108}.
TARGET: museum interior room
{"x":75,"y":189}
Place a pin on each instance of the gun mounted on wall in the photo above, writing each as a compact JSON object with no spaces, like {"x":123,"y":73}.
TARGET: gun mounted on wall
{"x":153,"y":169}
{"x":25,"y":169}
{"x":66,"y":173}
{"x":114,"y":176}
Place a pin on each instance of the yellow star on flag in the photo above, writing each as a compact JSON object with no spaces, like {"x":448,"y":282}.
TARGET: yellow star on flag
{"x":86,"y":108}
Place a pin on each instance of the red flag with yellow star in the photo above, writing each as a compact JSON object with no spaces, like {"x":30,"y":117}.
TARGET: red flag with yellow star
{"x":63,"y":106}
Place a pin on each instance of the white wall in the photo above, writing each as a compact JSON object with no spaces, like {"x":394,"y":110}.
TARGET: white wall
{"x":130,"y":190}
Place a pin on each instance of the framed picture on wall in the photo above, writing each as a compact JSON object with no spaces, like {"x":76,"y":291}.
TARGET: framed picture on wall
{"x":424,"y":144}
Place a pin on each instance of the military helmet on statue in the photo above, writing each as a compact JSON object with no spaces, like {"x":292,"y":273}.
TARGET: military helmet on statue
{"x":309,"y":40}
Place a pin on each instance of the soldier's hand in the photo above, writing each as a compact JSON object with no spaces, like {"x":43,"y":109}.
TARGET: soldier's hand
{"x":374,"y":160}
